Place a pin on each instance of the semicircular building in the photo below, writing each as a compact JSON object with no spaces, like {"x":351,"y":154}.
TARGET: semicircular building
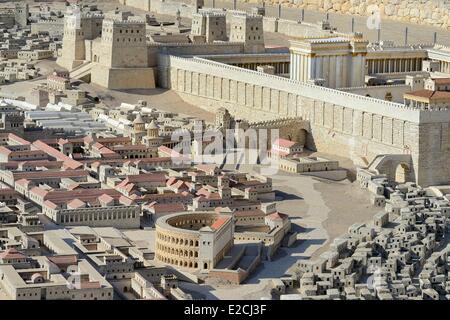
{"x":193,"y":240}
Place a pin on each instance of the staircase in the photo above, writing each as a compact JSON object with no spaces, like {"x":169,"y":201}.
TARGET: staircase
{"x":82,"y":72}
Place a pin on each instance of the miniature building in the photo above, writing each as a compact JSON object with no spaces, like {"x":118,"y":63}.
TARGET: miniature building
{"x":193,"y":240}
{"x":209,"y":24}
{"x":339,"y":61}
{"x":248,"y":29}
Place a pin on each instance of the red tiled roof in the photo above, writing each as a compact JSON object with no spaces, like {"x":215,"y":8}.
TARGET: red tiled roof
{"x":284,"y":143}
{"x":63,"y":260}
{"x":277,"y":216}
{"x":429,"y":94}
{"x":166,"y":207}
{"x":11,"y":254}
{"x":105,"y":198}
{"x":68,"y":162}
{"x":249,"y":213}
{"x":220,"y":222}
{"x":76,"y":203}
{"x":441,"y":80}
{"x":50,"y":174}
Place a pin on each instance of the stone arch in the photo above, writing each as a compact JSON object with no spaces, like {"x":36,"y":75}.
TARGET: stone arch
{"x":402,"y":172}
{"x":397,"y":167}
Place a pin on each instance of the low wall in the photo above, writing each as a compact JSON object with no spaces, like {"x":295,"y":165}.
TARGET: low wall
{"x":335,"y":175}
{"x":232,"y":276}
{"x":395,"y":92}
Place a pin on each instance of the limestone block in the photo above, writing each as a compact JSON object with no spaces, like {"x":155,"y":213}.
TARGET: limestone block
{"x":233,"y":91}
{"x":258,"y":97}
{"x":202,"y":84}
{"x":283,"y":107}
{"x":241,"y":93}
{"x":348,"y":121}
{"x":387,"y":130}
{"x":357,"y":123}
{"x":249,"y":97}
{"x":328,"y":115}
{"x":397,"y":132}
{"x":367,"y":125}
{"x":226,"y":89}
{"x":338,"y":118}
{"x":376,"y":124}
{"x":319,"y":113}
{"x":292,"y":104}
{"x":274,"y":100}
{"x":188,"y":80}
{"x":210,"y":86}
{"x":327,"y":4}
{"x":266,"y":99}
{"x":389,"y":10}
{"x":346,"y":6}
{"x":217,"y":88}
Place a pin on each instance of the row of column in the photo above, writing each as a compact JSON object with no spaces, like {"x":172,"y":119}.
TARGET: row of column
{"x":96,"y":216}
{"x":280,"y":67}
{"x":177,"y":262}
{"x":445,"y":67}
{"x":394,"y":65}
{"x":300,"y":67}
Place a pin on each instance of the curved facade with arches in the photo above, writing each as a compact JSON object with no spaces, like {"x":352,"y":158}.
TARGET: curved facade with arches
{"x":193,"y":240}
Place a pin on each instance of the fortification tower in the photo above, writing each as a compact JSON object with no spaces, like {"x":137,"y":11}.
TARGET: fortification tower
{"x":78,"y":27}
{"x":209,"y":24}
{"x":121,"y":56}
{"x":248,"y":28}
{"x":21,"y":14}
{"x":123,"y":42}
{"x":197,"y":4}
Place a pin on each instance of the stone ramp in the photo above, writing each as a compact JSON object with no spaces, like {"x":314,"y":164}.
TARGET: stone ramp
{"x":82,"y":72}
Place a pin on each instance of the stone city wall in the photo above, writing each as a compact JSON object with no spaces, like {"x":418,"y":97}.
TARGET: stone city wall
{"x":428,"y":12}
{"x":342,"y":123}
{"x":270,"y":24}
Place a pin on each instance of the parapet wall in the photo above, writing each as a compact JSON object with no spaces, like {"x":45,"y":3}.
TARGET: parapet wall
{"x":342,"y":123}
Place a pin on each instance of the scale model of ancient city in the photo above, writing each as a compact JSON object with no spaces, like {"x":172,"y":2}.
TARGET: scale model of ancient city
{"x":224,"y":149}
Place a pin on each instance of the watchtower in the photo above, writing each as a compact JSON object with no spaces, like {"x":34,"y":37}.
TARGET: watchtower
{"x":21,"y":14}
{"x":78,"y":27}
{"x":197,"y":4}
{"x":209,"y":24}
{"x":123,"y":43}
{"x":248,"y":28}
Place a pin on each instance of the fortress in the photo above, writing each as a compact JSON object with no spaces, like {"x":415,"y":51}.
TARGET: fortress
{"x":326,"y":86}
{"x":112,"y":50}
